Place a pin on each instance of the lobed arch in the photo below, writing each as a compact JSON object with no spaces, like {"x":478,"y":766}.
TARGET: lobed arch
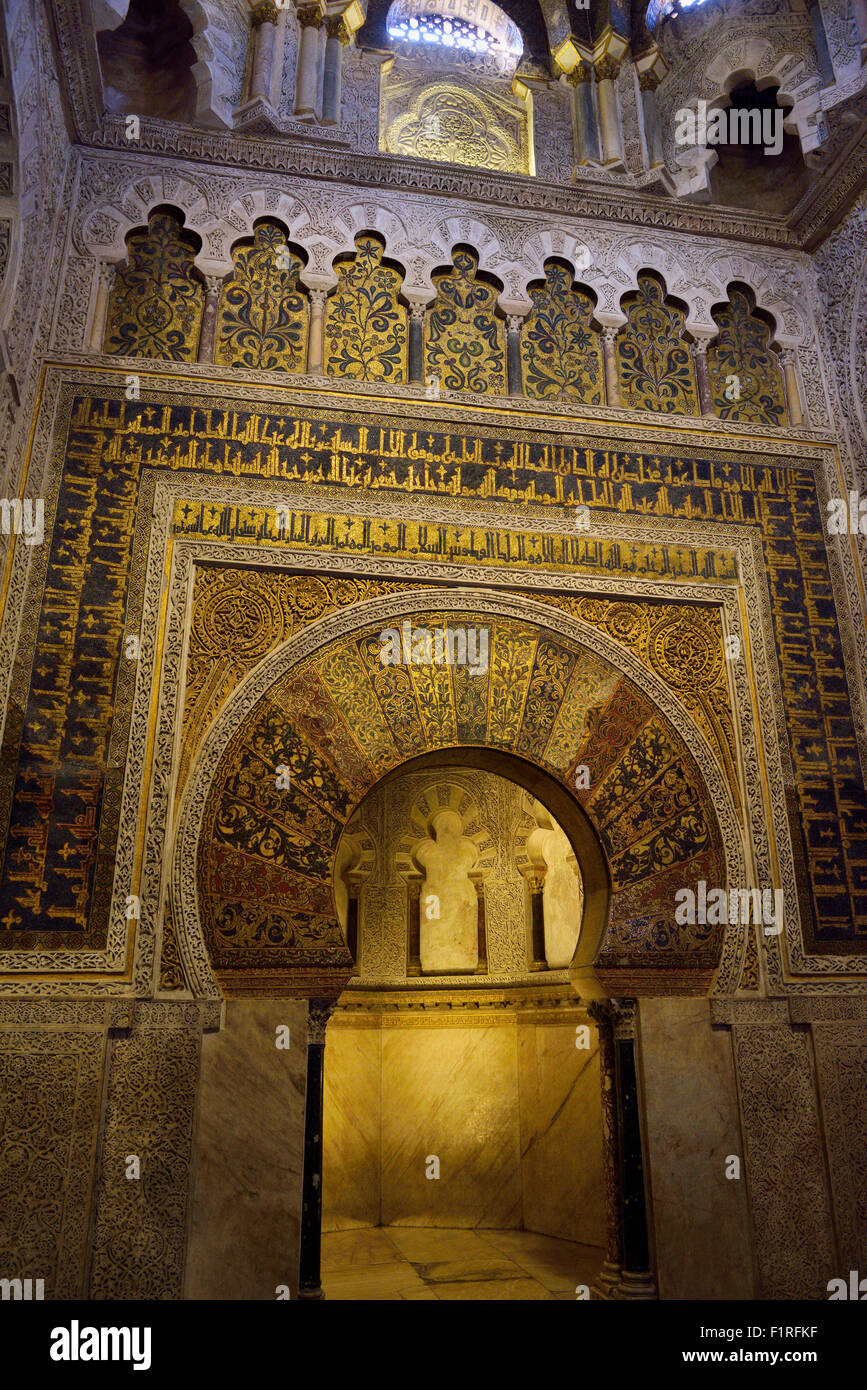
{"x":753,"y":59}
{"x":624,"y":966}
{"x":100,"y":232}
{"x":746,"y":59}
{"x":218,"y":41}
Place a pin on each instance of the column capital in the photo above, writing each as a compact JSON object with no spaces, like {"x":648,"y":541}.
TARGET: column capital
{"x":318,"y":298}
{"x":625,"y":1018}
{"x":105,"y":273}
{"x":310,"y":16}
{"x":648,"y":81}
{"x":318,"y":1013}
{"x":514,"y":322}
{"x":602,"y":1012}
{"x":265,"y":13}
{"x":607,"y":69}
{"x":582,"y":72}
{"x":213,"y":285}
{"x":337,"y":28}
{"x":700,"y":344}
{"x":417,"y":310}
{"x":609,"y":333}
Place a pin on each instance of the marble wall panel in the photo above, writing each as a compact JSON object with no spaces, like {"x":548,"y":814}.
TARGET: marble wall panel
{"x":246,"y":1209}
{"x":351,"y":1168}
{"x":450,"y":1092}
{"x":561,"y":1133}
{"x":700,"y":1219}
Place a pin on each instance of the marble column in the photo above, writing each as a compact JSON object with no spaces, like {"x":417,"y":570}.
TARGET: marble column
{"x":314,"y":339}
{"x":309,"y":1274}
{"x":310,"y":20}
{"x":581,"y":79}
{"x":264,"y":39}
{"x":416,"y":341}
{"x":793,"y":391}
{"x":609,"y":1276}
{"x":859,"y":10}
{"x":820,"y":43}
{"x":648,"y":83}
{"x":636,"y":1278}
{"x":332,"y":80}
{"x":702,"y":375}
{"x":537,"y":922}
{"x":104,"y":281}
{"x":607,"y":71}
{"x":353,"y":886}
{"x":208,"y":337}
{"x":413,"y":927}
{"x":612,"y":376}
{"x":513,"y":355}
{"x":482,"y":926}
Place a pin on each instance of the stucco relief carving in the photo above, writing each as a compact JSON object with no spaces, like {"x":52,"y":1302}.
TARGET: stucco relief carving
{"x":767,"y":692}
{"x":420,"y":234}
{"x":791,"y":1221}
{"x":140,"y":1230}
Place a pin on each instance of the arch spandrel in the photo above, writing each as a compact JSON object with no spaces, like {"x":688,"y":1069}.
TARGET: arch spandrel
{"x":544,"y":706}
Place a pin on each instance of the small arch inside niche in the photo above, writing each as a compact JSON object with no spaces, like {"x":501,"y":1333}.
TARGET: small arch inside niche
{"x":147,"y":62}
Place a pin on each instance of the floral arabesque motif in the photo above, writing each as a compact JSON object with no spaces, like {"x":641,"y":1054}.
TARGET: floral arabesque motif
{"x":262,"y":316}
{"x":156,"y":304}
{"x":561,"y":355}
{"x":464,"y":345}
{"x":741,"y":351}
{"x":365,"y":323}
{"x":654,"y":364}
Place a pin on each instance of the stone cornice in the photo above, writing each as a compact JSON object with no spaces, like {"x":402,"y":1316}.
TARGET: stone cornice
{"x":315,"y":160}
{"x":315,"y":155}
{"x":825,"y":206}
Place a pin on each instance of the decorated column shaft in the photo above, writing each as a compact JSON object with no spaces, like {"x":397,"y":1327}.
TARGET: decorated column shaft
{"x":537,"y":922}
{"x":603,"y":1016}
{"x":309,"y":1270}
{"x":105,"y":278}
{"x":207,"y":340}
{"x":607,"y":71}
{"x":702,"y":375}
{"x":264,"y":39}
{"x":636,"y":1278}
{"x":513,"y":355}
{"x":793,"y":390}
{"x":612,"y":378}
{"x":310,"y":20}
{"x":586,"y":128}
{"x":314,"y":340}
{"x":332,"y":80}
{"x":416,"y":342}
{"x":648,"y":83}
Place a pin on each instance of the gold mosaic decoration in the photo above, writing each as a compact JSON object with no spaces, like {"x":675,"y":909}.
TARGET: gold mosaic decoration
{"x":156,"y":303}
{"x":341,"y":718}
{"x":561,"y":354}
{"x":654,"y":363}
{"x":238,"y":617}
{"x":458,"y":120}
{"x":683,"y":645}
{"x":464,"y":340}
{"x":365,"y":322}
{"x":745,"y":374}
{"x":262,"y":315}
